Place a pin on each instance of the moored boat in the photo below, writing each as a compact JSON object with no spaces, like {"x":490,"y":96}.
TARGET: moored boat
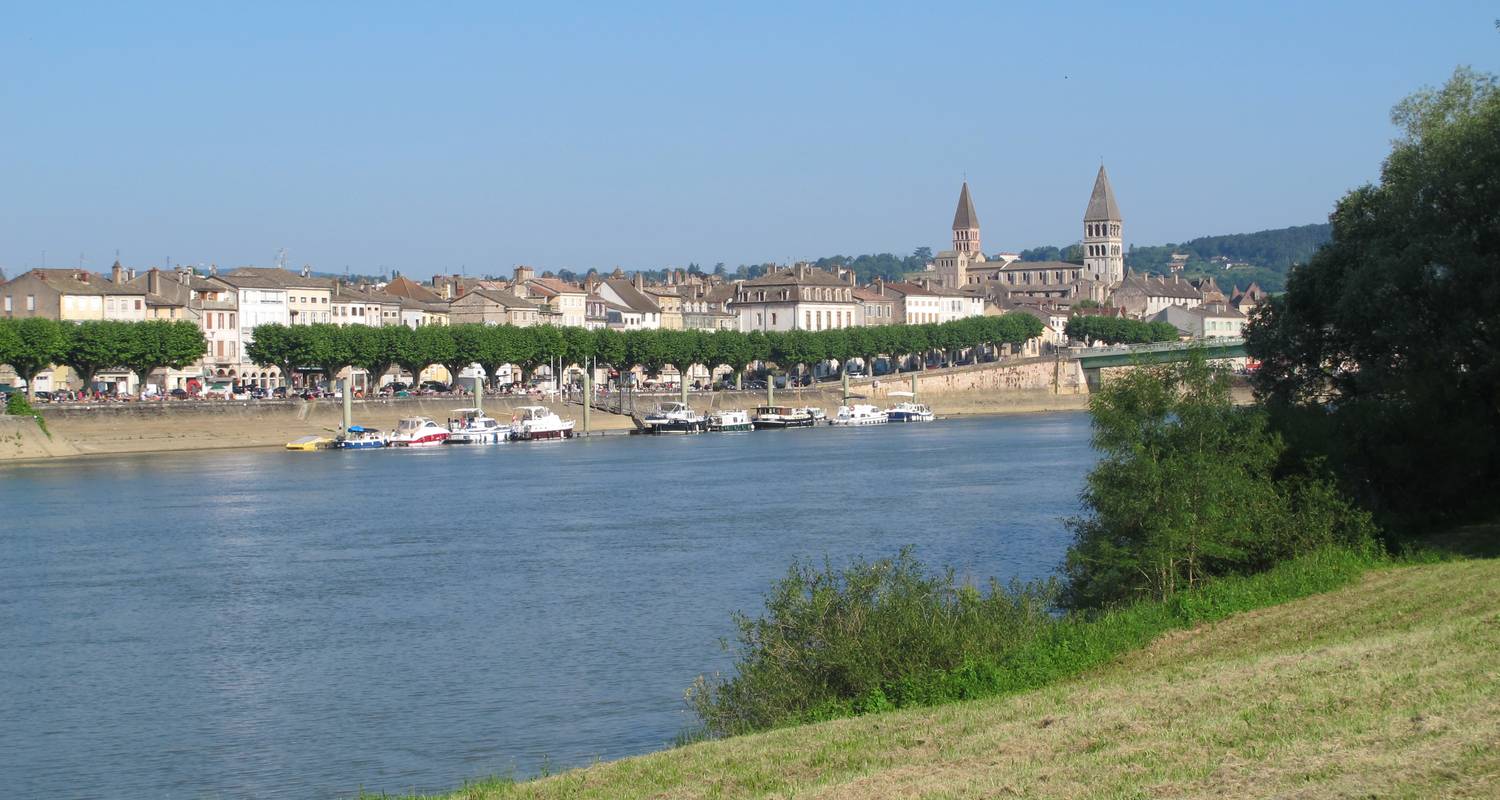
{"x":908,"y":410}
{"x":418,"y":432}
{"x":534,"y":423}
{"x":729,"y":422}
{"x":673,"y":418}
{"x":471,"y":426}
{"x":358,"y":437}
{"x":309,"y":443}
{"x":858,"y":414}
{"x":818,"y":415}
{"x":776,"y":417}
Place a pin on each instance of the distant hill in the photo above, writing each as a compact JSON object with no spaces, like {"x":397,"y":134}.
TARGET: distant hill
{"x":1263,"y":257}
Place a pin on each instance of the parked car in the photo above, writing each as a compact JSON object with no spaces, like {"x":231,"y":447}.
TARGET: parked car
{"x":45,"y":397}
{"x":435,"y":386}
{"x":179,"y":394}
{"x":279,"y":393}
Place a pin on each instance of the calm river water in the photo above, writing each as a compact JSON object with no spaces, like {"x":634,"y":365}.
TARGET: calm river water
{"x":293,"y":625}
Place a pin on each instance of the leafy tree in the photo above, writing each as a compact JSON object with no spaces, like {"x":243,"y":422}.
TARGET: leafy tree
{"x":610,"y":348}
{"x":1384,"y":353}
{"x":467,"y":344}
{"x":162,"y":344}
{"x":32,"y":344}
{"x":1188,"y":488}
{"x":370,"y":349}
{"x":285,"y":347}
{"x":96,"y":345}
{"x":330,"y":349}
{"x":1119,"y":330}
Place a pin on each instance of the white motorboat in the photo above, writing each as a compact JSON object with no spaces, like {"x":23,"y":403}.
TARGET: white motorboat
{"x":859,"y":414}
{"x":535,"y":423}
{"x":729,"y":422}
{"x":471,"y":426}
{"x":674,"y":418}
{"x":776,"y":417}
{"x":908,"y":410}
{"x":418,"y":432}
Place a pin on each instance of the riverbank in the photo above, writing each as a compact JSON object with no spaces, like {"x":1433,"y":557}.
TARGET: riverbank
{"x":1383,"y":688}
{"x":165,"y":427}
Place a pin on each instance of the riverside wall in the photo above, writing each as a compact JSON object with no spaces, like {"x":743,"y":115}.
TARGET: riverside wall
{"x":1029,"y":385}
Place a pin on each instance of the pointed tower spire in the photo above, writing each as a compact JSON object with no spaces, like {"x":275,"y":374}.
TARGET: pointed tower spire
{"x":965,"y":224}
{"x":1102,"y":206}
{"x":965,"y":218}
{"x":1103,"y":234}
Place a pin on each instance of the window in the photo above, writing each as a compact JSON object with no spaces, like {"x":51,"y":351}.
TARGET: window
{"x":773,"y":317}
{"x":7,"y":303}
{"x":30,"y":302}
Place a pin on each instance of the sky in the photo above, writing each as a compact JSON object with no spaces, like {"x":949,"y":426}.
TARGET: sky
{"x":471,"y":137}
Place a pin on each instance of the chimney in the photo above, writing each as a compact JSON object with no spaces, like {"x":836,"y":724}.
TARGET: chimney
{"x":879,"y":286}
{"x":853,"y":278}
{"x":117,"y":273}
{"x":130,"y":274}
{"x":153,"y":281}
{"x":640,"y":281}
{"x":306,"y":270}
{"x":213,"y":269}
{"x":524,"y":273}
{"x":799,"y":271}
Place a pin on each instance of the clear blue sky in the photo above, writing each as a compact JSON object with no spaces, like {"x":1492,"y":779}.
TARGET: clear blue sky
{"x":379,"y":135}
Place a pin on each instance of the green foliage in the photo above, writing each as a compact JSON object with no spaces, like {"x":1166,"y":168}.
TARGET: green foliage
{"x":162,"y":344}
{"x":891,"y":635}
{"x":32,"y":344}
{"x":1119,"y":330}
{"x":1384,"y":354}
{"x":849,"y":637}
{"x":97,"y":345}
{"x":1189,"y":487}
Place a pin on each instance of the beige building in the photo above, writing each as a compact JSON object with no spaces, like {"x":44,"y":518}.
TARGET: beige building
{"x":875,"y":307}
{"x":493,"y":307}
{"x":800,"y":298}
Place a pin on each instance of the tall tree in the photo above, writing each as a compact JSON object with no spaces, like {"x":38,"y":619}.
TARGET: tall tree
{"x":162,"y":344}
{"x":370,"y":350}
{"x":1384,"y":353}
{"x":35,"y":343}
{"x":96,"y":345}
{"x":330,"y":349}
{"x":285,"y":347}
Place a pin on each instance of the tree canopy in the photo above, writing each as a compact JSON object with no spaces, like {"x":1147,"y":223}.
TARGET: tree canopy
{"x":1384,"y":353}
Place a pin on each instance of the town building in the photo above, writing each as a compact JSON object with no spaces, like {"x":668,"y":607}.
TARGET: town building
{"x":1205,"y":321}
{"x":633,"y":308}
{"x":800,"y":298}
{"x":874,"y":306}
{"x":493,"y":307}
{"x":1144,"y":296}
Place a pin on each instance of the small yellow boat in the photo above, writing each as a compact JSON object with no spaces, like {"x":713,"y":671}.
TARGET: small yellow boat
{"x":309,"y":443}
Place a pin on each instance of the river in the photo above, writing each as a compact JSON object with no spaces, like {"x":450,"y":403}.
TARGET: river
{"x":290,"y":625}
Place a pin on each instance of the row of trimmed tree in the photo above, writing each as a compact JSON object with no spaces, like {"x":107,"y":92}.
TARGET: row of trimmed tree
{"x":330,"y":349}
{"x":34,"y":344}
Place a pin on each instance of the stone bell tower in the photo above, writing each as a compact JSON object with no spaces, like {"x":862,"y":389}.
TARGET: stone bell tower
{"x":1103,"y":234}
{"x":966,"y":225}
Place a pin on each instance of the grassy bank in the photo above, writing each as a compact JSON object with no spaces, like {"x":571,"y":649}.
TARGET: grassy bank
{"x":1386,"y":686}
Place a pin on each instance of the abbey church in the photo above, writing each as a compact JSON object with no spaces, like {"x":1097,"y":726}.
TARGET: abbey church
{"x":1103,"y":268}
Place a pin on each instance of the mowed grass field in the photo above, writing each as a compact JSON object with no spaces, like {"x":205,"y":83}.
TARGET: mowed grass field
{"x":1389,"y":688}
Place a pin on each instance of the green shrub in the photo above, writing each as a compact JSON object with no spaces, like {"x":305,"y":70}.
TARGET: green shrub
{"x":16,"y":404}
{"x":777,"y":682}
{"x":1190,"y":487}
{"x":862,"y":639}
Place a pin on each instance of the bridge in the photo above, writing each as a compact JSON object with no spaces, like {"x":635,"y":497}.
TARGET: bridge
{"x":1095,"y":358}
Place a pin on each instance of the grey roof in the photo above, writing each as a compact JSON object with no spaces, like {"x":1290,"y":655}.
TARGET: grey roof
{"x":1160,"y":286}
{"x":810,"y":276}
{"x":965,"y":217}
{"x":503,"y":297}
{"x":249,"y":281}
{"x":1102,"y":205}
{"x":637,"y":300}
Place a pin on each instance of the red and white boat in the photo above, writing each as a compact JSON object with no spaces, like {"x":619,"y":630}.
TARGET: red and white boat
{"x":533,"y":423}
{"x":418,"y":432}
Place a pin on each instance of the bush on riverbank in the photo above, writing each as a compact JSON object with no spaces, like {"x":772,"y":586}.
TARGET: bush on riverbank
{"x":1190,"y":486}
{"x":891,"y":634}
